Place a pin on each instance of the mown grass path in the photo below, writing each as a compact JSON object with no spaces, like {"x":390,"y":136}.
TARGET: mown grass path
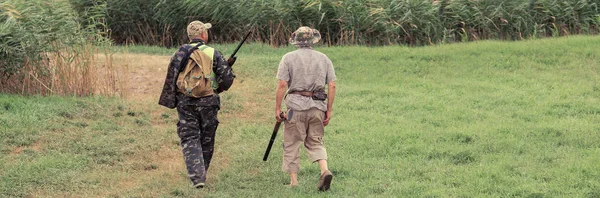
{"x":485,"y":119}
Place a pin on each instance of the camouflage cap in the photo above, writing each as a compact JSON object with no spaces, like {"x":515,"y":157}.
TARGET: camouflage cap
{"x":305,"y":36}
{"x":196,"y":28}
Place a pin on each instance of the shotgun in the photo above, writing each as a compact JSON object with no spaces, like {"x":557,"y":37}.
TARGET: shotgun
{"x":232,"y":58}
{"x":277,"y":125}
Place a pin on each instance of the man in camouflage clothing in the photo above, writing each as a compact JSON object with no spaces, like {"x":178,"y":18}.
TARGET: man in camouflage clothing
{"x":306,"y":72}
{"x":197,"y":116}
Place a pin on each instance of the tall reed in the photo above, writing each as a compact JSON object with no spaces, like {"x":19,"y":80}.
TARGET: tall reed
{"x":369,"y":22}
{"x":46,"y":50}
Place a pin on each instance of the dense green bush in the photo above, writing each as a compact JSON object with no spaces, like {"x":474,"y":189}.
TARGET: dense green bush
{"x":12,"y":53}
{"x":371,"y":22}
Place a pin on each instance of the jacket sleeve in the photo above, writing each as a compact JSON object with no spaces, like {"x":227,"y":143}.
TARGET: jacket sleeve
{"x":223,"y":72}
{"x":169,"y":92}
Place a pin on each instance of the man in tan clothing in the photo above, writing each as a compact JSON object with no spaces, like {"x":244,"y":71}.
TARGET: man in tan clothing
{"x":305,"y":72}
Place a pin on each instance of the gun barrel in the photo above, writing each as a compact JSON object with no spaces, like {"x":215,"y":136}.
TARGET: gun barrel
{"x":240,"y":45}
{"x":277,"y":125}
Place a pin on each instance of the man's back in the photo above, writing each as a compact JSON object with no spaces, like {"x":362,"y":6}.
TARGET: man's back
{"x":305,"y":70}
{"x":308,"y":69}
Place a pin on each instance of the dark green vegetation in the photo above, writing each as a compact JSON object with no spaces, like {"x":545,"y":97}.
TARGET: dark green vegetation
{"x":371,"y":22}
{"x":29,"y":28}
{"x":484,"y":119}
{"x":44,"y":49}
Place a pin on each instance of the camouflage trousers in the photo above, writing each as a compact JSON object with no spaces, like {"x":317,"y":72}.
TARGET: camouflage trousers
{"x":196,"y":128}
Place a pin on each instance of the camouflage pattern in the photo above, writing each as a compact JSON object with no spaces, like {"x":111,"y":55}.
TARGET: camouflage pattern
{"x":223,"y":72}
{"x":196,"y":128}
{"x":197,"y":116}
{"x":305,"y":36}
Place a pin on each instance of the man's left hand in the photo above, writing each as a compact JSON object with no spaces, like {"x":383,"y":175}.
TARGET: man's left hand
{"x":278,"y":116}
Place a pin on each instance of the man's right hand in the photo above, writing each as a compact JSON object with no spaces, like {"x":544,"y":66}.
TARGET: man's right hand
{"x":327,"y":118}
{"x":231,"y":61}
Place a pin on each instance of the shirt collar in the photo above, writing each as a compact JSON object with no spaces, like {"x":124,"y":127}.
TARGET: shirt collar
{"x":304,"y":46}
{"x":199,"y":41}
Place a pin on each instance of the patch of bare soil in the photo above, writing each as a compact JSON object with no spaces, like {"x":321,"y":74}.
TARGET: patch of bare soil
{"x":35,"y":147}
{"x":144,"y":74}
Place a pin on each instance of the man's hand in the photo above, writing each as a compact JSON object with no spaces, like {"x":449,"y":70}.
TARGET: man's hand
{"x":280,"y":116}
{"x":281,"y":87}
{"x":231,"y":61}
{"x":330,"y":98}
{"x":327,"y":118}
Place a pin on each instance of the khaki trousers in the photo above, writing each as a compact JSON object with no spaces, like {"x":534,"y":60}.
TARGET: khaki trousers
{"x":304,"y":127}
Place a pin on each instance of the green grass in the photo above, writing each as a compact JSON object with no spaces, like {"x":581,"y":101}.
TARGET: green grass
{"x":484,"y":119}
{"x":56,"y":144}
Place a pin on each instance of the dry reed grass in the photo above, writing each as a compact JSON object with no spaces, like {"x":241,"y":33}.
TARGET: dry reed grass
{"x":79,"y":71}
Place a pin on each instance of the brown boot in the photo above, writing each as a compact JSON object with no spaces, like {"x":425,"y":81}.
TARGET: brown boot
{"x":325,"y":181}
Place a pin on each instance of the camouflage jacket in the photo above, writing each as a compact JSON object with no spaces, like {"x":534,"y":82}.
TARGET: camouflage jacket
{"x":170,"y":97}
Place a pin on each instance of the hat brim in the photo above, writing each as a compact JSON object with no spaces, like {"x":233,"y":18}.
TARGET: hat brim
{"x":312,"y":42}
{"x":207,"y":26}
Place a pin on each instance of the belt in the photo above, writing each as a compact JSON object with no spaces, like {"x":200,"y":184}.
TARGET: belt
{"x":304,"y":93}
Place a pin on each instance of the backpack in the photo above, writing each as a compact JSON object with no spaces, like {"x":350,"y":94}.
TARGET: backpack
{"x":197,"y":78}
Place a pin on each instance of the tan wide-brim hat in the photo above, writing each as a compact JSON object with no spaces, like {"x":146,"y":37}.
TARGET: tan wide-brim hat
{"x":196,"y":28}
{"x":305,"y":36}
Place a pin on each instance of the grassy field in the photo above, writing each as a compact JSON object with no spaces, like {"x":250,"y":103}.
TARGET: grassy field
{"x":483,"y":119}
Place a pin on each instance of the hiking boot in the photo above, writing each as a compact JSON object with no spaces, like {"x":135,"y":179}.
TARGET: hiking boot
{"x":325,"y":181}
{"x":199,"y":185}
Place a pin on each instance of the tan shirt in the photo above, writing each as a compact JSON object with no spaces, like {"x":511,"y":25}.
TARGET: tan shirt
{"x":305,"y":70}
